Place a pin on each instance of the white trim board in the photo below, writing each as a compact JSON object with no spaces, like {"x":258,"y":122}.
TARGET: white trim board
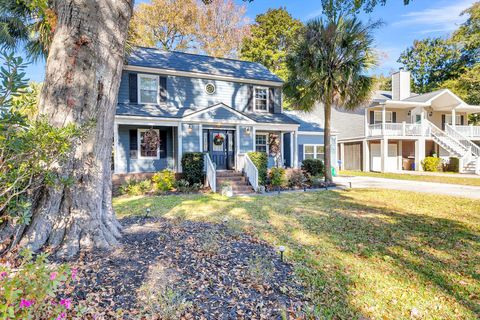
{"x":201,"y":75}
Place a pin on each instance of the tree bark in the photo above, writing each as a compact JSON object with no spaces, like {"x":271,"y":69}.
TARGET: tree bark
{"x":81,"y":85}
{"x":327,"y":142}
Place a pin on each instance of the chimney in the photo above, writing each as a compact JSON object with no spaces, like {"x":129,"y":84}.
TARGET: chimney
{"x":400,"y":84}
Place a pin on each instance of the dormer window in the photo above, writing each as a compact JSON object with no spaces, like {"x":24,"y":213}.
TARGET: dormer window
{"x":147,"y":89}
{"x":260,"y":101}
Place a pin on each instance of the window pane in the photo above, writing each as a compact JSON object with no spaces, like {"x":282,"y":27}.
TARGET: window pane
{"x":309,"y":149}
{"x":378,"y":116}
{"x":260,"y":148}
{"x":148,"y":90}
{"x":388,"y":117}
{"x":205,"y":141}
{"x":308,"y":156}
{"x":261,"y":139}
{"x":261,"y":98}
{"x":148,"y":96}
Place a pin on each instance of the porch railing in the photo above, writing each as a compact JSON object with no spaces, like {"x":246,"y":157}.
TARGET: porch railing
{"x":211,"y":173}
{"x":398,"y":129}
{"x":251,"y":171}
{"x":469,"y":131}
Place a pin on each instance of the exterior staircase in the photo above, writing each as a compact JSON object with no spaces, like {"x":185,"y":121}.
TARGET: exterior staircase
{"x":239,"y":182}
{"x":458,"y":146}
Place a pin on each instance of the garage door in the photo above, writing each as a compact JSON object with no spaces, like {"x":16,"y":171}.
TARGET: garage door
{"x":376,"y":157}
{"x":353,"y":156}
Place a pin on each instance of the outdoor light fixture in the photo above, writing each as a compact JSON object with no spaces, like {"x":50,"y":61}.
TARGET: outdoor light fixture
{"x":247,"y":130}
{"x":190,"y":128}
{"x":409,"y":113}
{"x":282,"y":250}
{"x":430,"y":113}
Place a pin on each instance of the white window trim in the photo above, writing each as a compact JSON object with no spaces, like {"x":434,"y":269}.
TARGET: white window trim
{"x":314,"y":150}
{"x":151,"y":76}
{"x":266,"y":140}
{"x":386,"y":117}
{"x":139,"y":131}
{"x":255,"y":99}
{"x":458,"y":119}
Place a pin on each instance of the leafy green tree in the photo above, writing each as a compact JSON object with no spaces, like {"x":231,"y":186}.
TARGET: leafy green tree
{"x":329,"y":65}
{"x":466,"y":85}
{"x":352,"y":6}
{"x":272,"y":34}
{"x":468,"y":34}
{"x":28,"y":23}
{"x":432,"y":61}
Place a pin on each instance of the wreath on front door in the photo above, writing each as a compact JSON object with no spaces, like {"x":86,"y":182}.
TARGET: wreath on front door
{"x":218,"y":139}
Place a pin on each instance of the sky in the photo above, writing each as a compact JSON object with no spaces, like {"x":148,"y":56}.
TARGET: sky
{"x":402,"y":24}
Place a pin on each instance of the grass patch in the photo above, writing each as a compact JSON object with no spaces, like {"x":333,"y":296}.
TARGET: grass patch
{"x":378,"y":254}
{"x":454,"y":179}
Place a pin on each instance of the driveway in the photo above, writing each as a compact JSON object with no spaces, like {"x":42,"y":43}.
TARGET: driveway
{"x":406,"y":185}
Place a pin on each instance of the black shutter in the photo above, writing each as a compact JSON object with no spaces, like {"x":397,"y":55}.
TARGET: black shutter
{"x":133,"y":87}
{"x":394,"y":117}
{"x":271,"y":100}
{"x":462,"y":119}
{"x":443,"y":122}
{"x":133,"y":144}
{"x":163,"y":89}
{"x":250,"y":98}
{"x":163,"y":144}
{"x":372,"y":117}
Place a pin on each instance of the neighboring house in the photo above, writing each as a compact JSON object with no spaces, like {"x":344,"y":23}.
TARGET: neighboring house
{"x":399,"y":129}
{"x":194,"y":103}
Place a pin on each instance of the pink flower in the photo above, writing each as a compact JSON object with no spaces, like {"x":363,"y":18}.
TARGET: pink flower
{"x":24,"y":303}
{"x":53,"y":275}
{"x":61,"y":316}
{"x":3,"y":274}
{"x":66,"y":302}
{"x":74,"y":273}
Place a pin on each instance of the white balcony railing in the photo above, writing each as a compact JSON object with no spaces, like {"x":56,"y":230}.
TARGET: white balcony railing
{"x":398,"y":129}
{"x":211,"y":173}
{"x":469,"y":131}
{"x":251,"y":171}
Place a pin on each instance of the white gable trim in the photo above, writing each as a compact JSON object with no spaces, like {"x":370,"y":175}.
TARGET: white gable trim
{"x":245,"y":119}
{"x":201,"y":75}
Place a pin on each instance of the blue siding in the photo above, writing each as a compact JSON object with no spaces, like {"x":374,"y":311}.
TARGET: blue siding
{"x":317,"y":139}
{"x":190,"y":138}
{"x":246,"y":140}
{"x":126,"y":164}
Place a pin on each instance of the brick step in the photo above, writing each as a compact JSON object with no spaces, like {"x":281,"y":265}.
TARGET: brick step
{"x":228,"y":173}
{"x":242,"y":189}
{"x":232,"y":179}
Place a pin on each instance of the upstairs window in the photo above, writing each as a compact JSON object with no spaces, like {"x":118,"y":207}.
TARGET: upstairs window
{"x":388,"y":117}
{"x":261,"y":99}
{"x":261,"y":142}
{"x":147,"y":89}
{"x":313,"y":151}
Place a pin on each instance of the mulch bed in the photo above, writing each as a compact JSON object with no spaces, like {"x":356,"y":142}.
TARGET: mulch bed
{"x":221,"y":273}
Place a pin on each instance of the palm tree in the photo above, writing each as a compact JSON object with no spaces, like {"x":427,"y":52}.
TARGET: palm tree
{"x":27,"y":23}
{"x":328,"y":66}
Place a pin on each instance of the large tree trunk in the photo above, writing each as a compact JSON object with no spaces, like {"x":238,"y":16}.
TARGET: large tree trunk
{"x":327,"y":143}
{"x":82,"y":78}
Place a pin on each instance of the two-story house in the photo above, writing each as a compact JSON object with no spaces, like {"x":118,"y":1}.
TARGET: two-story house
{"x":193,"y":103}
{"x":399,"y":129}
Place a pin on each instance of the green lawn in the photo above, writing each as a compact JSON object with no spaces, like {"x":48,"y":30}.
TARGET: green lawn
{"x":454,"y":179}
{"x":376,"y":254}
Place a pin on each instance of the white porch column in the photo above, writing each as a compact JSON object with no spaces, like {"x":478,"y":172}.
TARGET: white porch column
{"x":342,"y":156}
{"x":200,"y":136}
{"x":180,"y":147}
{"x":295,"y":149}
{"x":384,"y":119}
{"x":366,"y":156}
{"x":454,"y":118}
{"x":366,"y":124}
{"x":419,"y":153}
{"x":115,"y":149}
{"x":384,"y":153}
{"x":404,"y":128}
{"x":400,"y":155}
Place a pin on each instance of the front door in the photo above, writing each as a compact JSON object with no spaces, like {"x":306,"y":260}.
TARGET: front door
{"x":221,"y":148}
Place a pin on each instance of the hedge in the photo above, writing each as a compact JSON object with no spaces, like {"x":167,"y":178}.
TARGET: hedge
{"x":192,"y":165}
{"x":454,"y":164}
{"x":432,"y":164}
{"x":313,"y":167}
{"x":260,"y":160}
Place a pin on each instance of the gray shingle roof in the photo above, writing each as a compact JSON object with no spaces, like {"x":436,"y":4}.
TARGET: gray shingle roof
{"x":308,"y":121}
{"x":424,"y":97}
{"x":180,"y":61}
{"x":128,"y":109}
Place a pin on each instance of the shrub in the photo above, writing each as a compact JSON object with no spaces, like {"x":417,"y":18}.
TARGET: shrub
{"x":31,"y":291}
{"x":184,"y":186}
{"x":317,"y":180}
{"x":164,"y":180}
{"x":431,"y":164}
{"x":136,"y":188}
{"x":260,"y":160}
{"x":454,"y":164}
{"x":192,"y":164}
{"x":313,"y":167}
{"x":277,"y":177}
{"x":296,"y":178}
